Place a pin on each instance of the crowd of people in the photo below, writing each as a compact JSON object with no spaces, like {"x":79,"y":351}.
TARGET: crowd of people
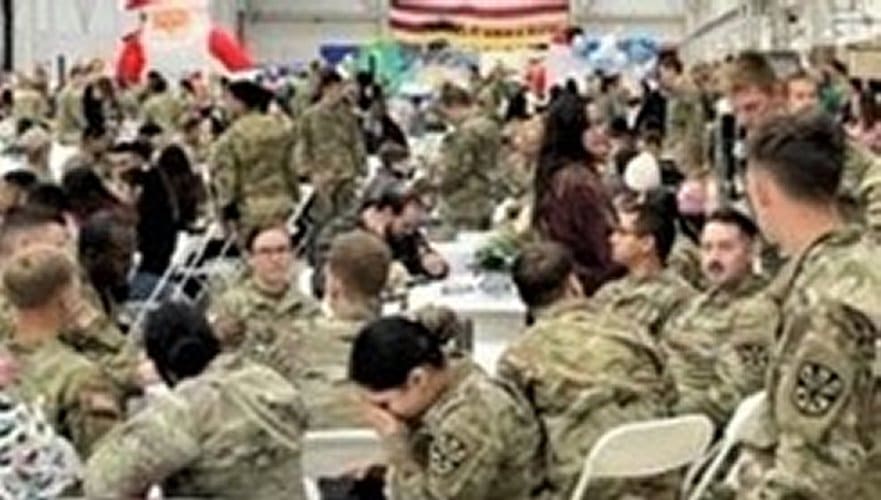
{"x":667,"y":267}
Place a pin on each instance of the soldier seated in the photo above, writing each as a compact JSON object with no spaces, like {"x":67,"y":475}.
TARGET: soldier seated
{"x":451,"y":431}
{"x":229,"y":428}
{"x":582,"y":370}
{"x":641,"y":242}
{"x":73,"y":393}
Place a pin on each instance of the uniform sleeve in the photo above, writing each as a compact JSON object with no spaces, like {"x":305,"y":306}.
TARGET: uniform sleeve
{"x":816,"y":407}
{"x":461,"y":463}
{"x":304,"y":146}
{"x":225,"y":171}
{"x":143,"y":452}
{"x":103,"y":344}
{"x":93,"y":409}
{"x":870,"y":192}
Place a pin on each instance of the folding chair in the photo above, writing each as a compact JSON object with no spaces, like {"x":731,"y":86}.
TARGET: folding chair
{"x":744,"y":423}
{"x":644,"y":449}
{"x":331,"y":453}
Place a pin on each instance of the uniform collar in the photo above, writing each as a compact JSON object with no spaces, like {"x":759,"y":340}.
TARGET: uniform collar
{"x":561,"y":307}
{"x":290,"y":299}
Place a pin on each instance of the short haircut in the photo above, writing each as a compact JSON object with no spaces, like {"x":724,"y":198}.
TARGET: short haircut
{"x":801,"y":75}
{"x":22,"y":219}
{"x":541,"y":272}
{"x":22,"y":179}
{"x":670,"y":60}
{"x":751,"y":69}
{"x":732,"y":217}
{"x":94,"y":131}
{"x":33,"y":277}
{"x":361,"y":261}
{"x":803,"y":152}
{"x":652,"y":218}
{"x":392,"y":197}
{"x":388,"y":349}
{"x":50,"y":197}
{"x":262,"y":227}
{"x":452,"y":96}
{"x":179,"y":341}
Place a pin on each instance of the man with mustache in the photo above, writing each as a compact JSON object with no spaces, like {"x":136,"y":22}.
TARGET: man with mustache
{"x":717,"y":345}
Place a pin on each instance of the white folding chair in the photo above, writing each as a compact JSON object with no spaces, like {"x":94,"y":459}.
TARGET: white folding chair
{"x":644,"y":449}
{"x":744,"y":423}
{"x":334,"y":452}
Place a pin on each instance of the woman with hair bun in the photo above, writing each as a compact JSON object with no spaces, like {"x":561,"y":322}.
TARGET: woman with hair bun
{"x":229,"y":428}
{"x":450,"y":431}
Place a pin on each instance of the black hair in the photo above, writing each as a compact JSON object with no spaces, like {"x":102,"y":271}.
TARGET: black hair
{"x":149,"y":130}
{"x":517,"y":107}
{"x":670,"y":60}
{"x":49,"y":196}
{"x":730,"y":216}
{"x":188,"y":189}
{"x":656,"y":217}
{"x":540,"y":273}
{"x":105,"y":248}
{"x":804,"y":153}
{"x":388,"y":349}
{"x":23,"y":179}
{"x":86,"y":192}
{"x":140,"y":148}
{"x":94,"y":131}
{"x":393,"y":198}
{"x":179,"y":341}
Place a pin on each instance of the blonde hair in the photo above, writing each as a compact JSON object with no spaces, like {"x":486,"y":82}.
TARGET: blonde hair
{"x":33,"y":277}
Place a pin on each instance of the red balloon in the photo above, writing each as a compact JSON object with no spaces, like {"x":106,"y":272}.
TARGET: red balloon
{"x":132,"y":60}
{"x":229,"y":51}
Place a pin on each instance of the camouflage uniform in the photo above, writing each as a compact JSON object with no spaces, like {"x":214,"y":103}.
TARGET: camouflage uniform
{"x":718,"y":346}
{"x":327,"y":391}
{"x":253,"y":169}
{"x":585,"y":373}
{"x":822,"y":383}
{"x":29,"y":104}
{"x":70,"y":390}
{"x":261,"y":327}
{"x":647,"y":301}
{"x":331,"y":151}
{"x":163,"y":109}
{"x":860,"y":190}
{"x":71,"y":120}
{"x":233,"y":431}
{"x":478,"y":441}
{"x":685,"y":261}
{"x":470,"y":174}
{"x":686,"y":130}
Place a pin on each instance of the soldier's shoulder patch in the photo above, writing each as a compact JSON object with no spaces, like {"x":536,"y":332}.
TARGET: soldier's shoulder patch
{"x":447,"y":453}
{"x":817,"y":389}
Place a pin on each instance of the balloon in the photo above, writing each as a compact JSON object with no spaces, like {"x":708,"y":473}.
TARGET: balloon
{"x":228,"y":50}
{"x":642,"y":173}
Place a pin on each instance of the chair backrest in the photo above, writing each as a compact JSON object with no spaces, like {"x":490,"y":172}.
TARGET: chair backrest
{"x":646,"y":448}
{"x":334,"y":452}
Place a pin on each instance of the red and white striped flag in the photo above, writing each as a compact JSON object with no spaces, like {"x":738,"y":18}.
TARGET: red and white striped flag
{"x":483,"y":24}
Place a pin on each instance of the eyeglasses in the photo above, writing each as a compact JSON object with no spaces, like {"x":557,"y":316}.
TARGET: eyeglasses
{"x":270,"y":251}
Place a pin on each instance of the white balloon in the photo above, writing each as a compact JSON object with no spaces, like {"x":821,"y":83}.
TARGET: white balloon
{"x":642,"y":173}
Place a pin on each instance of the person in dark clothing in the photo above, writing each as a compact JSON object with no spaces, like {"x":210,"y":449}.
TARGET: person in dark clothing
{"x":572,"y":206}
{"x":396,"y":218}
{"x":654,"y":109}
{"x":380,"y":128}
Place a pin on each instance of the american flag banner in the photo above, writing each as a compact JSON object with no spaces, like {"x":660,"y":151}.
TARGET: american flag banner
{"x":479,"y":24}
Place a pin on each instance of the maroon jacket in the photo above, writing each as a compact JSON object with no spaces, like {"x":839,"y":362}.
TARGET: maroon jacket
{"x":577,"y":213}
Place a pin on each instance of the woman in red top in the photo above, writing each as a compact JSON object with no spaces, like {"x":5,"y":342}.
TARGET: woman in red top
{"x":572,"y":206}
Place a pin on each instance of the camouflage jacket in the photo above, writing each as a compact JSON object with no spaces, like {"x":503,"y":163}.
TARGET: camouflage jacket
{"x":233,"y":431}
{"x":647,"y":301}
{"x":478,"y":441}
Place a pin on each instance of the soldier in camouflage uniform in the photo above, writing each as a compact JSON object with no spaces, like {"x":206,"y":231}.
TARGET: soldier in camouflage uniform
{"x":252,"y":161}
{"x":331,"y":150}
{"x":229,"y":428}
{"x":686,"y":121}
{"x":71,"y":120}
{"x":649,"y":294}
{"x":755,"y":92}
{"x":449,"y":430}
{"x":718,"y":345}
{"x":356,"y":272}
{"x":161,"y":107}
{"x":585,"y":372}
{"x":822,"y":402}
{"x":258,"y":317}
{"x":71,"y":391}
{"x":470,"y":177}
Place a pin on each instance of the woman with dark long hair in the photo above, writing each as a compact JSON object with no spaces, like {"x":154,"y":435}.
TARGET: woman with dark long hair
{"x":571,"y":205}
